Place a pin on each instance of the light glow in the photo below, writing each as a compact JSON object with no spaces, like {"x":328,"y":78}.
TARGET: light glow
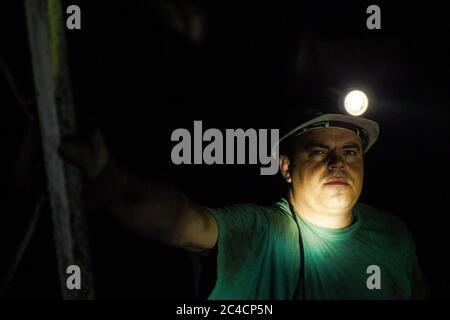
{"x":356,"y":102}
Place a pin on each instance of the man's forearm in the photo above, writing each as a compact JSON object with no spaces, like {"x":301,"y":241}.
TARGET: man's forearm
{"x":153,"y":210}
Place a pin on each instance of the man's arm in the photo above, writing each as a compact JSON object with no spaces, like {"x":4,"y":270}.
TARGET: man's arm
{"x":156,"y":210}
{"x":166,"y":215}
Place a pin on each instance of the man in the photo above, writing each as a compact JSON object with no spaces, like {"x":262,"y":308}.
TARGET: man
{"x":317,"y":243}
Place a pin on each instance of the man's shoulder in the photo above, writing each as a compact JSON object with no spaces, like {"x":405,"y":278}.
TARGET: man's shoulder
{"x":251,"y":212}
{"x":382,"y":221}
{"x":248,"y":208}
{"x":239,"y":208}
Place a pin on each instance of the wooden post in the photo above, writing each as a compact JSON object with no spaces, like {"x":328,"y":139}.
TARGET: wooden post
{"x":56,"y":119}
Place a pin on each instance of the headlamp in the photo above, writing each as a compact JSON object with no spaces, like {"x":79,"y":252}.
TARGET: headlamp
{"x":356,"y":102}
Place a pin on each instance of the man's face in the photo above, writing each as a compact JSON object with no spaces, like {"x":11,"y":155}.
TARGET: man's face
{"x":327,"y":173}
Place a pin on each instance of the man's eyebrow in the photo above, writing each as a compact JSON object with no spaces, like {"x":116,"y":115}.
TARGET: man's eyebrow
{"x":311,"y":145}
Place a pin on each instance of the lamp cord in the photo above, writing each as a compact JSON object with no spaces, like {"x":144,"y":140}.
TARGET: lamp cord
{"x":300,"y":289}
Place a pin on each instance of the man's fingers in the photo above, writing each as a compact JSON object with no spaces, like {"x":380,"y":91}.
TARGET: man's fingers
{"x":90,"y":155}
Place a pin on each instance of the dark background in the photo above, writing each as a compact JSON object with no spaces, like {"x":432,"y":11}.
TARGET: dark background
{"x":141,"y":71}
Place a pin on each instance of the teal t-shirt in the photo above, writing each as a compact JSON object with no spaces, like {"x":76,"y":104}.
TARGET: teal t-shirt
{"x":259,"y":256}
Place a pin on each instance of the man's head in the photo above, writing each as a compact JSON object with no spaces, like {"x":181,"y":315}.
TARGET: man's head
{"x":322,"y":160}
{"x":325,"y":169}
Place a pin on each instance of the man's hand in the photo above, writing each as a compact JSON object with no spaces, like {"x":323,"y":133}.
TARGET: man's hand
{"x":90,"y":155}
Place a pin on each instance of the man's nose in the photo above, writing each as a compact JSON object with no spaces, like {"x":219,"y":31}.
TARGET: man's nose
{"x":335,"y":161}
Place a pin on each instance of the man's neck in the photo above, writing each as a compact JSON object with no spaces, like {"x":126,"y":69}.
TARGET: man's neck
{"x":336,"y":219}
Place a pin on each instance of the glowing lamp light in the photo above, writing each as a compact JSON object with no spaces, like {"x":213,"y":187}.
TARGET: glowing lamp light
{"x":356,"y":102}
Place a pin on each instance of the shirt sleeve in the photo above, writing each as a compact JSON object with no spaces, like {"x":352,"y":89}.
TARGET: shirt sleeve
{"x":241,"y":235}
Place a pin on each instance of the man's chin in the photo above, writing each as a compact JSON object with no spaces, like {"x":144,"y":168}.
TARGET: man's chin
{"x":339,"y":202}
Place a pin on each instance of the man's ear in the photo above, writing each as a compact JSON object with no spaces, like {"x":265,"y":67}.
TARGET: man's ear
{"x":285,"y":168}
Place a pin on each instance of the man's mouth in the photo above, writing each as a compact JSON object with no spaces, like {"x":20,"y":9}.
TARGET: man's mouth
{"x":336,"y":181}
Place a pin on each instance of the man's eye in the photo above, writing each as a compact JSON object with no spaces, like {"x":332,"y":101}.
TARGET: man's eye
{"x":350,"y":152}
{"x":317,"y":152}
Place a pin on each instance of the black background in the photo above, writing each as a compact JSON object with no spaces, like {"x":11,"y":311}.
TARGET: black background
{"x":141,"y":78}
